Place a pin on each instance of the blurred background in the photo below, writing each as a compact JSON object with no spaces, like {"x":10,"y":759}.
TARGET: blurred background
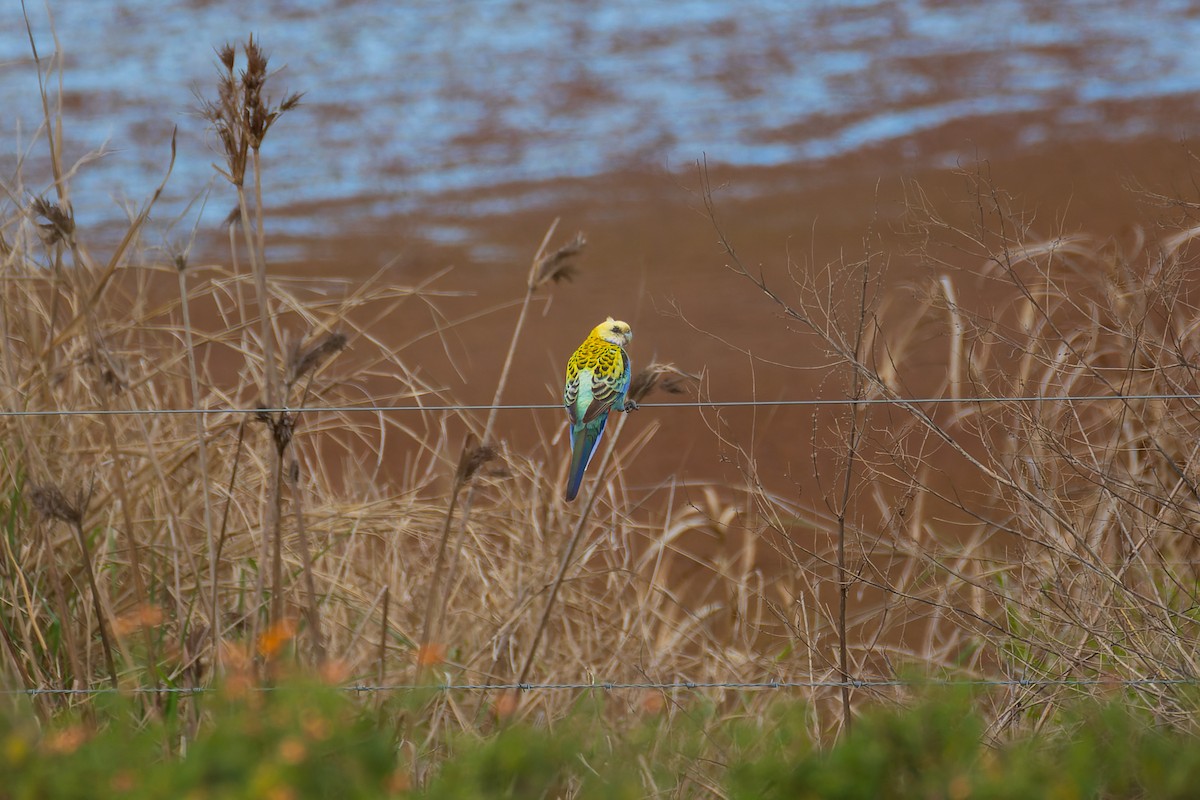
{"x":406,"y":102}
{"x":438,"y":135}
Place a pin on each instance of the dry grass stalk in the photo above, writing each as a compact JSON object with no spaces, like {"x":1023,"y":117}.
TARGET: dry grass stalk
{"x":639,"y":387}
{"x":241,"y":115}
{"x":381,"y":673}
{"x":201,"y":452}
{"x":544,"y":269}
{"x":52,"y":503}
{"x":312,"y":607}
{"x":472,"y":458}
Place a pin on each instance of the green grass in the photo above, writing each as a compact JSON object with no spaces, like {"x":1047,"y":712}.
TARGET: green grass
{"x":305,"y":739}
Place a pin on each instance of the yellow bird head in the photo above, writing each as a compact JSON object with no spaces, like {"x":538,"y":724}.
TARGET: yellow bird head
{"x":614,"y":331}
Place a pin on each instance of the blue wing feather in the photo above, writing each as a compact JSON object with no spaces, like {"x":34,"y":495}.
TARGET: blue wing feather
{"x":584,"y":440}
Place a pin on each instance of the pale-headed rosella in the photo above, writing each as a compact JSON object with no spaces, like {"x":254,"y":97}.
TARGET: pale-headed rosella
{"x":598,"y":377}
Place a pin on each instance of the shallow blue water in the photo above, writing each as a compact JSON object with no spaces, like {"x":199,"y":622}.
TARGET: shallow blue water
{"x":405,"y":101}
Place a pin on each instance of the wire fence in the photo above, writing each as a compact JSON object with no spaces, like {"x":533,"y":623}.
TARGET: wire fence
{"x":1036,"y":683}
{"x":680,"y":685}
{"x":454,"y":407}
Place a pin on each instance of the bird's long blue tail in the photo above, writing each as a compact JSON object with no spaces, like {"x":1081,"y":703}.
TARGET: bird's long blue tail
{"x":584,"y":440}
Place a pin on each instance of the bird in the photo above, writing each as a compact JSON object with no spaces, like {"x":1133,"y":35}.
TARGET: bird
{"x":598,"y":376}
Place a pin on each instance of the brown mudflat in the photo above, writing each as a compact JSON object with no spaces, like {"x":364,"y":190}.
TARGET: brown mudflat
{"x":653,"y":258}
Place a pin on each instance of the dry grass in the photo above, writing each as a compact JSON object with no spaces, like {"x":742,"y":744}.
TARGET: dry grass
{"x":276,"y":534}
{"x":146,"y":548}
{"x":991,"y":539}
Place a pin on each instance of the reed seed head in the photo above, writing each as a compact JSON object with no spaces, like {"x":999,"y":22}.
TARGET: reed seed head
{"x":561,"y":264}
{"x":303,"y":361}
{"x":226,"y":54}
{"x":242,"y":113}
{"x":474,"y":457}
{"x":667,"y":377}
{"x":56,"y":223}
{"x":52,"y":503}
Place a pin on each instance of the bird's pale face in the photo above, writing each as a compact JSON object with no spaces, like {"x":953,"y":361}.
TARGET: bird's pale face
{"x":614,"y":331}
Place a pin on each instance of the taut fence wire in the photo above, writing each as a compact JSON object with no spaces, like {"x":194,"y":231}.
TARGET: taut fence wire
{"x":452,"y":407}
{"x":656,"y":686}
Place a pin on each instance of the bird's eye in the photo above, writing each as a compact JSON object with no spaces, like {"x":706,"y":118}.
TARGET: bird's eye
{"x":615,"y":329}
